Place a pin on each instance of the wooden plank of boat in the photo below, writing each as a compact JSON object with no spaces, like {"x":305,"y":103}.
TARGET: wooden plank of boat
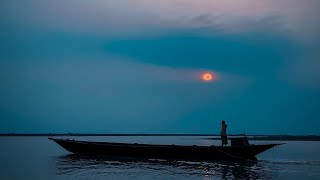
{"x":174,"y":152}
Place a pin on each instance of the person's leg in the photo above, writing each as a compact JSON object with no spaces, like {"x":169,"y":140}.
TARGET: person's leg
{"x":224,"y":140}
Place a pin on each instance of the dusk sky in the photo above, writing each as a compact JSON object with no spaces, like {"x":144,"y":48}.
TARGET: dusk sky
{"x":121,"y":66}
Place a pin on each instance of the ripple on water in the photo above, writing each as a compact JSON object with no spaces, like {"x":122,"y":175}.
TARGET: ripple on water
{"x":98,"y":167}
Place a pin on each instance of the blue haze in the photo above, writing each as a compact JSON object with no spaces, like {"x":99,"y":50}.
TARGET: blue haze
{"x":83,"y":67}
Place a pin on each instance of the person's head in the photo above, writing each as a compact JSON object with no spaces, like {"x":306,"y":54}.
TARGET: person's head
{"x":223,"y":122}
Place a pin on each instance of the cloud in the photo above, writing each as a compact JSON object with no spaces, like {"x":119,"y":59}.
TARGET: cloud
{"x":108,"y":92}
{"x":303,"y":70}
{"x":298,"y":18}
{"x":293,"y":19}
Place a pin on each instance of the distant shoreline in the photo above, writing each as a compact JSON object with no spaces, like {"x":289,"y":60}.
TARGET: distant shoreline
{"x":250,"y":137}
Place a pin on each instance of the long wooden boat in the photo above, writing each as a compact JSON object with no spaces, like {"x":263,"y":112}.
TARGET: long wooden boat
{"x":172,"y":152}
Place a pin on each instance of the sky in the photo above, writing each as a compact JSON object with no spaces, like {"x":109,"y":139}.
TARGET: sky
{"x":109,"y":66}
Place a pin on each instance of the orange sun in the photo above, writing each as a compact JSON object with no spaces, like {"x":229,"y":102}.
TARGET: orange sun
{"x":207,"y":77}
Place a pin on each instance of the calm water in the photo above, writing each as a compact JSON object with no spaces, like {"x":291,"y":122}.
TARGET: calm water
{"x":39,"y":158}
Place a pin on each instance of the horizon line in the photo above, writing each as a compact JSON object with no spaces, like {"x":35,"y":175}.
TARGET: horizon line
{"x":140,"y":134}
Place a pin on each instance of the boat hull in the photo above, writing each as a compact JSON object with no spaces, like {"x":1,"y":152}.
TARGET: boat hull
{"x":173,"y":152}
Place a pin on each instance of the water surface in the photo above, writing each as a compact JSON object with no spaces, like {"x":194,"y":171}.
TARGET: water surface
{"x":39,"y":158}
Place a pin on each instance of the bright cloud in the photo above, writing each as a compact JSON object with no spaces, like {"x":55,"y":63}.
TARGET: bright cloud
{"x":113,"y":17}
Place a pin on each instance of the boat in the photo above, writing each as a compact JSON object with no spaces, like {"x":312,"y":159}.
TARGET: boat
{"x":240,"y":149}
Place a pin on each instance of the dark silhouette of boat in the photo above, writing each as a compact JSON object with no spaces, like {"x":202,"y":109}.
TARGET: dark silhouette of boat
{"x":240,"y":149}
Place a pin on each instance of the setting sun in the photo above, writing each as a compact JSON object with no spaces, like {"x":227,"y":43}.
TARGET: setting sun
{"x":207,"y":76}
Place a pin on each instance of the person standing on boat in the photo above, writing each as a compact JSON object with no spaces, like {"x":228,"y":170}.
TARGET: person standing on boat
{"x":223,"y":133}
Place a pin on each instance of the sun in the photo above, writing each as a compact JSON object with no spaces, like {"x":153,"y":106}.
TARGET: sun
{"x":207,"y":77}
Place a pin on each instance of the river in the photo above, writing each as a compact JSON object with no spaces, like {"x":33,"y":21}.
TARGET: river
{"x":40,"y":158}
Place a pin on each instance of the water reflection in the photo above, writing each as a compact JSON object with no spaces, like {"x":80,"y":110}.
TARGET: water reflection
{"x":99,"y":167}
